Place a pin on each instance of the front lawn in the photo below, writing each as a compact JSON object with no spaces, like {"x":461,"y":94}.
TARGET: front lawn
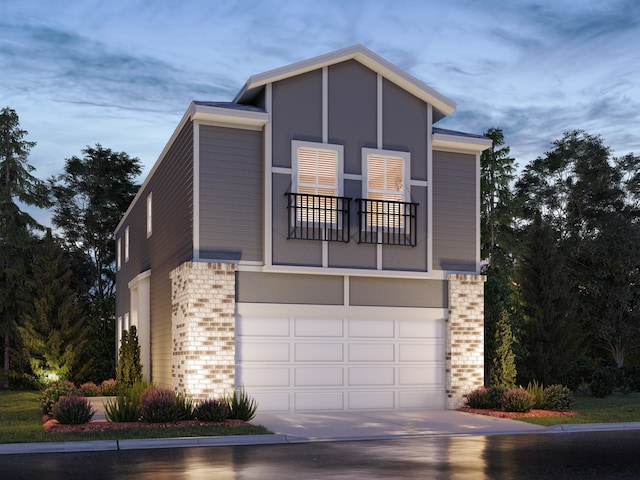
{"x":615,"y":408}
{"x":21,"y":422}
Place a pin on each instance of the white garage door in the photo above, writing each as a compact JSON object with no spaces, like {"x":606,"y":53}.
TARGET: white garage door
{"x":319,"y":358}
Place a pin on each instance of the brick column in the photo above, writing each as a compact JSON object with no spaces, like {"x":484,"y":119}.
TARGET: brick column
{"x":465,"y":337}
{"x":203,"y":328}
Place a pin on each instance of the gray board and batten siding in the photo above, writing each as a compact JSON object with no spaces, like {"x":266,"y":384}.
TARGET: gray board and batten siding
{"x":352,"y":123}
{"x":169,"y":245}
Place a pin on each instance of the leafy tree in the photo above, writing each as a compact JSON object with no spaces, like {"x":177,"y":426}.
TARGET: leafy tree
{"x":591,"y":199}
{"x":90,"y":198}
{"x":55,"y":335}
{"x":17,"y":228}
{"x":129,"y":367}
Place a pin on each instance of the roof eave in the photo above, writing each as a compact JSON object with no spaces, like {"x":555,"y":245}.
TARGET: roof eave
{"x":365,"y":57}
{"x":443,"y":141}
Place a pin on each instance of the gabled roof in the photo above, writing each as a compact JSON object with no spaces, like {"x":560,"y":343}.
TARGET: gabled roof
{"x":361,"y":54}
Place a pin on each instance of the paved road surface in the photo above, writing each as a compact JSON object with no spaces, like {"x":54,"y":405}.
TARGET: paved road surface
{"x":577,"y":455}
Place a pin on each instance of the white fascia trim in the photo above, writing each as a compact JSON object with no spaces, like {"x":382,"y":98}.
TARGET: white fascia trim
{"x":365,"y":57}
{"x":459,"y":143}
{"x":478,"y":209}
{"x":268,"y":181}
{"x":435,"y":275}
{"x":227,"y":116}
{"x":196,"y":191}
{"x":429,"y":190}
{"x":139,"y":279}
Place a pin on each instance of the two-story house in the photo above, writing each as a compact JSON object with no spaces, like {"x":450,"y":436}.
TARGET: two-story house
{"x":316,"y":240}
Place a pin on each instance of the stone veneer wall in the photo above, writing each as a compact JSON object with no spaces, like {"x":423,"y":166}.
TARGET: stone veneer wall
{"x":465,"y":337}
{"x":203,"y":328}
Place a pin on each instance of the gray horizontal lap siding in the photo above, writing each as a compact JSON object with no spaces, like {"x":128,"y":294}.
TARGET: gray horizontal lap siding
{"x":231,"y":193}
{"x":455,"y":209}
{"x":169,"y":245}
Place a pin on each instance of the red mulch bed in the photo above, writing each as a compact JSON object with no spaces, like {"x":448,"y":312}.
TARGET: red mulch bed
{"x":529,"y":414}
{"x":52,"y":426}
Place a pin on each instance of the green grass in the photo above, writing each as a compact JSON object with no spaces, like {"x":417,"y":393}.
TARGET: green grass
{"x":21,"y":422}
{"x":613,"y":409}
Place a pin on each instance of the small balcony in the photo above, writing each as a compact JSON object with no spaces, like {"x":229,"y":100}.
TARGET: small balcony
{"x":386,"y":222}
{"x":318,"y":217}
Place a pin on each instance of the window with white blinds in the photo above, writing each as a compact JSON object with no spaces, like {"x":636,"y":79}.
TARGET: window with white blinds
{"x":386,"y":178}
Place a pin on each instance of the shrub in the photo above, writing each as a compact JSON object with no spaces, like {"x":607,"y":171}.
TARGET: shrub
{"x":517,"y":400}
{"x":72,"y":410}
{"x":495,"y":395}
{"x":160,"y":405}
{"x":109,"y":388}
{"x":479,"y":398}
{"x":579,"y":375}
{"x":122,"y":409}
{"x":212,"y":410}
{"x":604,"y":381}
{"x":241,"y":405}
{"x":53,"y":392}
{"x":537,"y":390}
{"x":90,"y":389}
{"x":631,"y":379}
{"x":557,"y":397}
{"x":137,"y":390}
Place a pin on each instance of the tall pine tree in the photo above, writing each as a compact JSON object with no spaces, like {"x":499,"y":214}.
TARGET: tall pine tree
{"x":55,"y":335}
{"x":17,"y":186}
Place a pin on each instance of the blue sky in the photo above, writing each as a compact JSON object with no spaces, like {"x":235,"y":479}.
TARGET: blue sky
{"x":123,"y":72}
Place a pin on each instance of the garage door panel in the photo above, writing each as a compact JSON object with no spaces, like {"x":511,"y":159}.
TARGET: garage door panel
{"x":371,"y":400}
{"x":263,"y":327}
{"x":319,"y":352}
{"x":414,"y":376}
{"x":359,"y":376}
{"x":265,"y":377}
{"x":319,"y":327}
{"x":371,"y":328}
{"x":420,"y":352}
{"x":310,"y":401}
{"x":371,"y":352}
{"x":330,"y":377}
{"x":420,"y":329}
{"x":263,"y":352}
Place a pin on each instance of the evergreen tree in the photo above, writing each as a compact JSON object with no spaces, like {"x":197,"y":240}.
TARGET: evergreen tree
{"x":552,"y":335}
{"x":504,"y":365}
{"x":129,"y":369}
{"x":17,"y":185}
{"x":55,"y":335}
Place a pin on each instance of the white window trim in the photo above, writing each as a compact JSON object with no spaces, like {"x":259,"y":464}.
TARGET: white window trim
{"x":406,"y":158}
{"x":126,"y":244}
{"x":339,"y":149}
{"x":149,"y":215}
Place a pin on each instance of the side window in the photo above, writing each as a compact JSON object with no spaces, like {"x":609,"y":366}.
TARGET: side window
{"x":149,"y":215}
{"x":118,"y":252}
{"x":126,"y":244}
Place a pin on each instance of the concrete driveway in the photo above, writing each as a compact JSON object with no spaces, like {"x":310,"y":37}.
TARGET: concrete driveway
{"x":384,"y":424}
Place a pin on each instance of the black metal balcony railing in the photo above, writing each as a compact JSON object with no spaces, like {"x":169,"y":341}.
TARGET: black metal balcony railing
{"x":318,"y":217}
{"x":387,"y":222}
